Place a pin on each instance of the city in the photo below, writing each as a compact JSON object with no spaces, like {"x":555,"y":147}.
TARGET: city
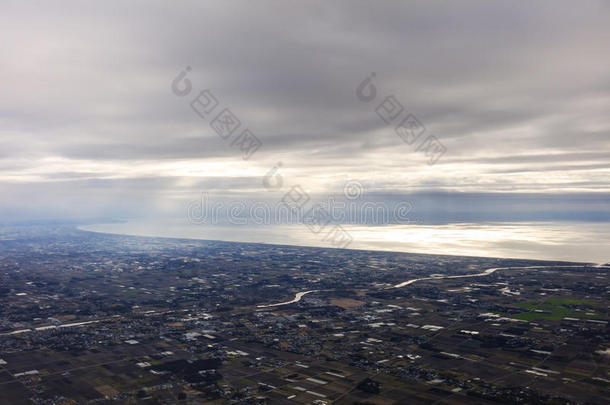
{"x":97,"y":318}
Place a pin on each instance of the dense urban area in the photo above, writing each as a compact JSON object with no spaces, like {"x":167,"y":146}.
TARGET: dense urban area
{"x":90,"y":318}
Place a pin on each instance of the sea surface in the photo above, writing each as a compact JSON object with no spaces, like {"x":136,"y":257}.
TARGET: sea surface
{"x":572,"y":241}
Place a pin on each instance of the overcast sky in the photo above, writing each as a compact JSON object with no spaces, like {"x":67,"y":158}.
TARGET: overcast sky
{"x":517,"y":92}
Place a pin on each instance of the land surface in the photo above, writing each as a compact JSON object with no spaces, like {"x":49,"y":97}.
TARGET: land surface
{"x":107,"y":319}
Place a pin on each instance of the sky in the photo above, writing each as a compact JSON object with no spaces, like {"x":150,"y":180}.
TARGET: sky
{"x":517,"y":94}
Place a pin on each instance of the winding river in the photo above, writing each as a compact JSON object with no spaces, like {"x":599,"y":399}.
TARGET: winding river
{"x":297,"y":298}
{"x":487,"y":272}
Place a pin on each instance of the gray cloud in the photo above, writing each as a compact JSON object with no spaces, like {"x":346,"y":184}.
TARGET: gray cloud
{"x":519,"y":94}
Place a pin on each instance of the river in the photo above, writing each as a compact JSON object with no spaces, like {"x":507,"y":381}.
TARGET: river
{"x":487,"y":272}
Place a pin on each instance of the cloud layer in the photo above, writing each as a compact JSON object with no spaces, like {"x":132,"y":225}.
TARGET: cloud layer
{"x":519,"y":94}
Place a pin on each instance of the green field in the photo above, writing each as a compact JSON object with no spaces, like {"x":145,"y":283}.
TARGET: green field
{"x":557,"y":308}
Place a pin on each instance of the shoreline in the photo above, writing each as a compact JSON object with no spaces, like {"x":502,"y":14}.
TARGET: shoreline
{"x":304,"y":244}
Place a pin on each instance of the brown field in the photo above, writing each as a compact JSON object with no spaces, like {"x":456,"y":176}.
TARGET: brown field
{"x":106,"y":390}
{"x":346,"y":303}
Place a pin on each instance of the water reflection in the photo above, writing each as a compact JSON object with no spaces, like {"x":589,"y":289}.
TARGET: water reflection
{"x":575,"y":241}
